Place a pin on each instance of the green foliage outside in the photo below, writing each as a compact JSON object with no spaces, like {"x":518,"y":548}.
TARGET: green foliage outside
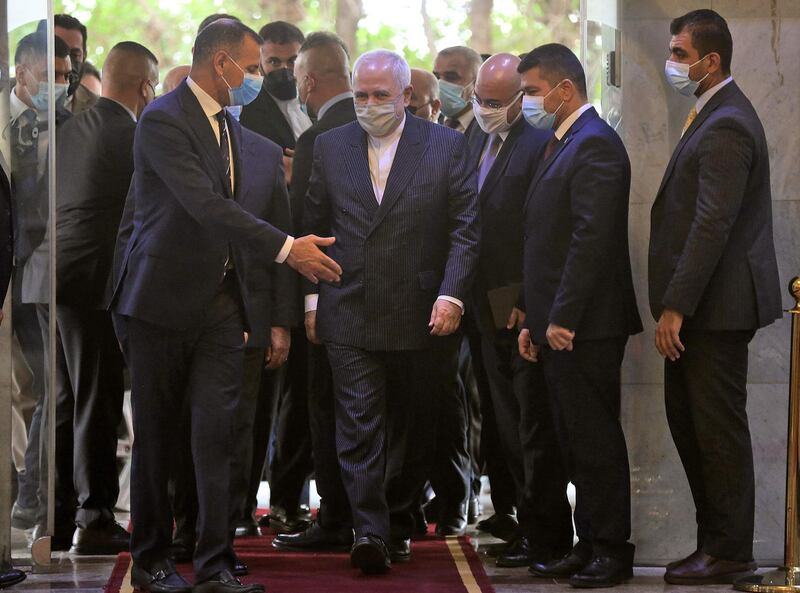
{"x":168,"y":27}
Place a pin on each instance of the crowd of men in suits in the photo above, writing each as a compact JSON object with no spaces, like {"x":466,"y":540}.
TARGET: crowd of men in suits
{"x":394,"y":280}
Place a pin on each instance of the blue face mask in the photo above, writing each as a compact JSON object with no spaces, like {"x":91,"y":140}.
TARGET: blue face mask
{"x":678,"y":77}
{"x":536,"y":115}
{"x":39,"y":100}
{"x":248,"y":90}
{"x":452,"y":98}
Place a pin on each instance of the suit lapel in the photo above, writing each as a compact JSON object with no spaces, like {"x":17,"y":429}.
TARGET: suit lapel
{"x":355,"y":155}
{"x":562,"y":144}
{"x":503,"y":158}
{"x":201,"y":128}
{"x":409,"y":153}
{"x":709,"y":108}
{"x":275,"y":114}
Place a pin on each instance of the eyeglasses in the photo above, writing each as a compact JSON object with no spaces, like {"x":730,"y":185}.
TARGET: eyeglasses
{"x":497,"y":105}
{"x":152,"y":87}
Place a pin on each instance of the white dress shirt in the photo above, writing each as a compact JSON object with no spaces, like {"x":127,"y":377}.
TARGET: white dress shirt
{"x":703,"y":99}
{"x":16,"y":108}
{"x":290,"y":108}
{"x":211,"y":108}
{"x":380,"y":155}
{"x":464,"y":120}
{"x":567,"y":123}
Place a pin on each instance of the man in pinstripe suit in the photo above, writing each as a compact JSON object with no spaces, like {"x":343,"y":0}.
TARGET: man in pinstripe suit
{"x":713,"y":281}
{"x":399,"y":197}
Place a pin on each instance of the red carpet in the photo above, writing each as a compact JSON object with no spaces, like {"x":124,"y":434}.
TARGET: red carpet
{"x":437,"y":565}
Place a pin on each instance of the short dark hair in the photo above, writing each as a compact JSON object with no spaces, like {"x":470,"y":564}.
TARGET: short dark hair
{"x":34,"y":47}
{"x":89,"y":69}
{"x":281,"y":32}
{"x":67,"y":21}
{"x":215,"y":17}
{"x":136,"y":49}
{"x":223,"y":33}
{"x":556,"y":62}
{"x":323,"y":39}
{"x":710,"y":34}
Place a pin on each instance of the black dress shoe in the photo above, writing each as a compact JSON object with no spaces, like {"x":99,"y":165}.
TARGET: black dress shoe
{"x":248,"y":527}
{"x":225,"y":582}
{"x":400,"y":550}
{"x":315,"y":538}
{"x":282,"y":521}
{"x":500,"y":525}
{"x":369,"y":553}
{"x":602,"y":571}
{"x":567,"y":566}
{"x":181,"y":551}
{"x":240,"y":567}
{"x":11,"y":577}
{"x":474,"y":509}
{"x":108,"y":539}
{"x":452,"y":525}
{"x":23,"y":517}
{"x":702,"y":569}
{"x":518,"y":553}
{"x":161,"y":578}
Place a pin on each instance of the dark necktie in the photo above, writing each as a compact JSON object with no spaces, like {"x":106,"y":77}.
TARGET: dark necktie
{"x":223,"y":145}
{"x":226,"y":158}
{"x":495,"y":143}
{"x":551,"y":146}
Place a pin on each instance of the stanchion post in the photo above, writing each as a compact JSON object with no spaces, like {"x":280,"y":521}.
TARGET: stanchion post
{"x":787,"y":577}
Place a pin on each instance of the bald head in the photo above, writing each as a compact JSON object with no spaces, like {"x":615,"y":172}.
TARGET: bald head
{"x":498,"y":78}
{"x":424,"y":95}
{"x":174,"y":77}
{"x":322,"y":70}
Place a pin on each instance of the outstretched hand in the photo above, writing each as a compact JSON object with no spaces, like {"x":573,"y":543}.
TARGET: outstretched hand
{"x":307,"y":258}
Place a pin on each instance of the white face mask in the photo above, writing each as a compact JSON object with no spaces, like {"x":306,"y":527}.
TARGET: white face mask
{"x":378,"y":120}
{"x":678,"y":77}
{"x":492,"y":120}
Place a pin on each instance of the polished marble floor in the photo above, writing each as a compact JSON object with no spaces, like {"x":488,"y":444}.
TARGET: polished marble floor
{"x":76,"y":574}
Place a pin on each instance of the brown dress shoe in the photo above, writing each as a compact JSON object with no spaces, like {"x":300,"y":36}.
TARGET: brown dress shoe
{"x":702,"y":569}
{"x":675,"y":563}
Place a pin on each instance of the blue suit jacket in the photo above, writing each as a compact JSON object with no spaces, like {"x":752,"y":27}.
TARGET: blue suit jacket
{"x":181,"y":216}
{"x":577,"y":264}
{"x":397,"y":258}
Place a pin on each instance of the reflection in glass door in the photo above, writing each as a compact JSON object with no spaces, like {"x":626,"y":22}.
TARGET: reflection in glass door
{"x":600,"y":55}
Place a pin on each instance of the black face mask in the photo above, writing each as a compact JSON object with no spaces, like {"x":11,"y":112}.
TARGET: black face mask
{"x":281,"y":84}
{"x":74,"y":78}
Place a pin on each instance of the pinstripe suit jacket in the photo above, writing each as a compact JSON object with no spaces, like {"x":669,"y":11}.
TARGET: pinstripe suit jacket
{"x":712,"y":255}
{"x":421,"y":242}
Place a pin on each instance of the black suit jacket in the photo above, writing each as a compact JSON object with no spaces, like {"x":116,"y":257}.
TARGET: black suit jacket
{"x":501,"y":199}
{"x":340,"y":113}
{"x":94,"y":166}
{"x":263,"y":116}
{"x":577,"y":264}
{"x":181,"y":218}
{"x":397,"y":258}
{"x":712,"y":255}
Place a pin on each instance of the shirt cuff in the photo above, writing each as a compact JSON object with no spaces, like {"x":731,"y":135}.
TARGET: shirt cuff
{"x":311,"y":302}
{"x":284,"y":252}
{"x":453,"y":300}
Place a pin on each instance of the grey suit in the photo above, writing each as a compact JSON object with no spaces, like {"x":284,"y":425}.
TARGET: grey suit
{"x":397,"y":257}
{"x":712,"y":258}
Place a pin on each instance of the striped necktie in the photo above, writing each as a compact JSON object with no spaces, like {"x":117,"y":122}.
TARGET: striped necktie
{"x":689,"y":120}
{"x":223,"y":144}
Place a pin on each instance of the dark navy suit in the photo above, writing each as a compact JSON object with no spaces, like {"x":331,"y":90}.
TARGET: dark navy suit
{"x":578,"y":276}
{"x":183,"y":316}
{"x":397,"y":258}
{"x":517,"y":388}
{"x":712,"y":258}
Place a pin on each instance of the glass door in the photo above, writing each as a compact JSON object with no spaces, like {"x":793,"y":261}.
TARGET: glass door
{"x":600,"y":55}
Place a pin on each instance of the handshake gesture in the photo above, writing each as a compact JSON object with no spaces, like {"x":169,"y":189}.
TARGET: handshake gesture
{"x":308,"y":259}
